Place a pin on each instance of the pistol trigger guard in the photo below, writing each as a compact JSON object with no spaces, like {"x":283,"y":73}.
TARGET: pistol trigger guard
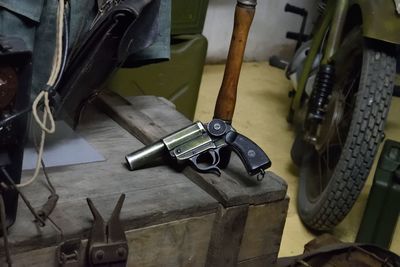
{"x":209,"y":169}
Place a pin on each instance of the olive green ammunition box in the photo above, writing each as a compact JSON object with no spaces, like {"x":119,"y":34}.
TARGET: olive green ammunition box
{"x":178,"y":80}
{"x":188,"y":16}
{"x":382,"y":210}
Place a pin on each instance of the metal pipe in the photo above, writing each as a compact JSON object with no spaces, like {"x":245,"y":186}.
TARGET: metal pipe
{"x":336,"y":29}
{"x":315,"y":47}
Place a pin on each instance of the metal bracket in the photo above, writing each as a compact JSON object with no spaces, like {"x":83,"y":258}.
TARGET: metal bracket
{"x":107,"y":244}
{"x":69,"y":253}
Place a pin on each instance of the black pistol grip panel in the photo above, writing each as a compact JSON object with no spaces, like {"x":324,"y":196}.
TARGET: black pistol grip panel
{"x":252,"y":156}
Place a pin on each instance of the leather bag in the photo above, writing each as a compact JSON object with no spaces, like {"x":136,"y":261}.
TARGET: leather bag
{"x":121,"y":28}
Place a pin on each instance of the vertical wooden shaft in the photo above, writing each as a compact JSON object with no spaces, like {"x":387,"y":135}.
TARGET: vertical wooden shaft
{"x":226,"y":100}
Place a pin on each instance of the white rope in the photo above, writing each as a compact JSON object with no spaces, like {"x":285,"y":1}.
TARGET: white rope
{"x":44,"y":94}
{"x":42,"y":123}
{"x":58,"y":53}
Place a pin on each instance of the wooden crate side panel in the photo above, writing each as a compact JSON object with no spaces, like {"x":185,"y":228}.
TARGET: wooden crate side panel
{"x":179,"y":243}
{"x":263,"y":231}
{"x":227,"y":236}
{"x":182,"y":243}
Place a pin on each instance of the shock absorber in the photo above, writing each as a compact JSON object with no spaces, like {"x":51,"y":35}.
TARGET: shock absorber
{"x":319,"y":100}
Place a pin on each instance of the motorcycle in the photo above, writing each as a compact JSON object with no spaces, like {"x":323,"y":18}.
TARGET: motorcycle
{"x":343,"y":79}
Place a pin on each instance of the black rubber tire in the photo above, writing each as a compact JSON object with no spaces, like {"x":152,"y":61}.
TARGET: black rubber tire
{"x":364,"y":135}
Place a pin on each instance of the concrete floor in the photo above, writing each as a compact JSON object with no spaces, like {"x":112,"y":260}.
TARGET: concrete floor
{"x":260,"y":114}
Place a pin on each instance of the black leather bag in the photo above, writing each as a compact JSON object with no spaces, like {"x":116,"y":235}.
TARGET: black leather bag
{"x":326,"y":251}
{"x":121,"y":28}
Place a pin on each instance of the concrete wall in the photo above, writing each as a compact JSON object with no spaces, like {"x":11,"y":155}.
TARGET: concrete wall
{"x":267,"y":34}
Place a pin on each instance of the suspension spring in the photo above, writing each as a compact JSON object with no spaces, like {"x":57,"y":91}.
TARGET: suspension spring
{"x":322,"y":89}
{"x":321,"y":7}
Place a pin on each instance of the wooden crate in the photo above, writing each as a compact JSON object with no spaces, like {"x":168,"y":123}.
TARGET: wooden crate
{"x":171,"y":218}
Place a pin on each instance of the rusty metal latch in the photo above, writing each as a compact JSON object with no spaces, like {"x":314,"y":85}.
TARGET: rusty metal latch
{"x":107,"y":244}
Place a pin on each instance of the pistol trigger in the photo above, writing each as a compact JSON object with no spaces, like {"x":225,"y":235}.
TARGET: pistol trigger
{"x":207,"y":169}
{"x":215,"y":156}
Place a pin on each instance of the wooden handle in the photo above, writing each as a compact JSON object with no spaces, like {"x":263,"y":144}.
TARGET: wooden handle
{"x":225,"y":106}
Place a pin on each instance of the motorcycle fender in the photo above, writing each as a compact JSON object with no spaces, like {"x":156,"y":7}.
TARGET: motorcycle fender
{"x":380,"y":19}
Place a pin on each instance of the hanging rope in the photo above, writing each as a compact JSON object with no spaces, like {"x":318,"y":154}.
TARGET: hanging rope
{"x":47,"y":117}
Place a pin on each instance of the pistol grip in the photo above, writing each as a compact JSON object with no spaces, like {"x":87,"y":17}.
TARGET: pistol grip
{"x":253,"y":157}
{"x":225,"y":155}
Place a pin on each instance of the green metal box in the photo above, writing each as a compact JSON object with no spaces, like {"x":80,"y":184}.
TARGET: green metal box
{"x":383,"y":206}
{"x":188,"y":16}
{"x":178,"y":80}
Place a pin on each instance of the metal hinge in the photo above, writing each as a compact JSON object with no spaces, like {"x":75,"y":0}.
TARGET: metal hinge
{"x":69,"y":253}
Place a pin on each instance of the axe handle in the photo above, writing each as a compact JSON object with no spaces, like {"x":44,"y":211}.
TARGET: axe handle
{"x":225,"y":105}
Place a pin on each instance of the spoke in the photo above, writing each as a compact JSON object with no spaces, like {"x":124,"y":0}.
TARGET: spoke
{"x":349,"y":105}
{"x":320,"y":174}
{"x":327,"y":155}
{"x":324,"y":175}
{"x":350,"y":87}
{"x":355,"y":77}
{"x":324,"y":170}
{"x":338,"y":135}
{"x":348,"y":114}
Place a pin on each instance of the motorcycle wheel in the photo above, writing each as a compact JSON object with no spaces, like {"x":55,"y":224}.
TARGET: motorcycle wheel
{"x":333,"y":172}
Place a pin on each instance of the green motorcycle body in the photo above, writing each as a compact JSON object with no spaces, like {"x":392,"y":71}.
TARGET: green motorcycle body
{"x":380,"y":23}
{"x":380,"y":19}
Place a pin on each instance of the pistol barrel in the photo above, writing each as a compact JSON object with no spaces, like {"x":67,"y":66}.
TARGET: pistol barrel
{"x":145,"y":156}
{"x":149,"y":154}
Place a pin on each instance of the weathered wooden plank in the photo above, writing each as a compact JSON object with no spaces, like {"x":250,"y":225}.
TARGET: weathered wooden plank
{"x":263,"y":231}
{"x":153,"y":196}
{"x":227,"y":236}
{"x":150,"y":118}
{"x":182,"y":243}
{"x":178,"y":243}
